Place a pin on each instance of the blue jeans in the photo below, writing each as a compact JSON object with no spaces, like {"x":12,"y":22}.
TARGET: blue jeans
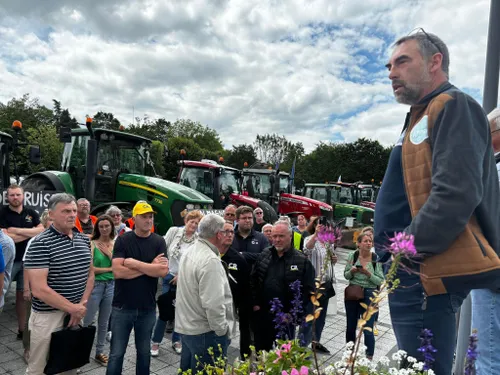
{"x":100,"y":300}
{"x":486,"y":319}
{"x":142,"y":321}
{"x":305,"y":332}
{"x":410,"y":315}
{"x":354,"y":311}
{"x":197,"y":346}
{"x":159,"y":330}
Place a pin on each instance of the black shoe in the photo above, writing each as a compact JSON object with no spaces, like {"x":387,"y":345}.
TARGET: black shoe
{"x":19,"y":335}
{"x":320,"y":348}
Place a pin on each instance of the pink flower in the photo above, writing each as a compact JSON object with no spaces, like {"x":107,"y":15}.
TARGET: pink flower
{"x":278,"y":353}
{"x":253,"y":373}
{"x":294,"y":372}
{"x":286,"y":347}
{"x":304,"y":370}
{"x":284,"y":372}
{"x":329,"y":236}
{"x":403,"y":243}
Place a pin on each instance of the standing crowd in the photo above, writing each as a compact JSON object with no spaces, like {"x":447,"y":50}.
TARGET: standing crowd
{"x":441,"y":186}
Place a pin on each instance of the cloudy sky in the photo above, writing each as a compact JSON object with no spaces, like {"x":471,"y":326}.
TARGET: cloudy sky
{"x":312,"y":70}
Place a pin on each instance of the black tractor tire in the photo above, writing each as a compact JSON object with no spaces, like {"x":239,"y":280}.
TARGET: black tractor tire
{"x":270,"y":215}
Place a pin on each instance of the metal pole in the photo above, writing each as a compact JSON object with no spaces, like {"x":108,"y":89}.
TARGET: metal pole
{"x":492,"y":70}
{"x":490,"y":98}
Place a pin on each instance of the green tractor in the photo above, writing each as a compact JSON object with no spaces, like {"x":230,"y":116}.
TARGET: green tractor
{"x":345,"y":198}
{"x":110,"y":167}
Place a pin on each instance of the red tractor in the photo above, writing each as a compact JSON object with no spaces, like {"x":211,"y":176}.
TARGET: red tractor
{"x":260,"y":189}
{"x":275,"y":188}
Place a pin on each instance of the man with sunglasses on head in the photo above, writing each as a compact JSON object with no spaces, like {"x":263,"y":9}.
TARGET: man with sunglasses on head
{"x":441,"y":186}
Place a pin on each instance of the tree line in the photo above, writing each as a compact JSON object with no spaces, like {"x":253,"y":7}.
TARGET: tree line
{"x":363,"y":160}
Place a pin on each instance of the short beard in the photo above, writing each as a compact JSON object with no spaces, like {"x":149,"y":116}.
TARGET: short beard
{"x":413,"y":91}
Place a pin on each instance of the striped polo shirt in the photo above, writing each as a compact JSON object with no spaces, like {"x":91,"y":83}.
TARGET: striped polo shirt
{"x":68,"y":261}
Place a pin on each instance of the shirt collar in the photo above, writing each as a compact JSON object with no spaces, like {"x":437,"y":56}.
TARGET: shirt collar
{"x":210,"y":245}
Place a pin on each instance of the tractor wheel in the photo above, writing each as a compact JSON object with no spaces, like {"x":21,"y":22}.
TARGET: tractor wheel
{"x":270,"y":215}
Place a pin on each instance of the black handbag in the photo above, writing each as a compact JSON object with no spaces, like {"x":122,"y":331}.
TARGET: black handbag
{"x":69,"y":348}
{"x":328,"y":289}
{"x":166,"y":305}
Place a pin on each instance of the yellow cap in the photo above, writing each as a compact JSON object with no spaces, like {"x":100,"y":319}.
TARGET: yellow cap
{"x":142,"y":208}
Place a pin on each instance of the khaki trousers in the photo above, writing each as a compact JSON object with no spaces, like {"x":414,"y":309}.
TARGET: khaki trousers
{"x":41,"y":326}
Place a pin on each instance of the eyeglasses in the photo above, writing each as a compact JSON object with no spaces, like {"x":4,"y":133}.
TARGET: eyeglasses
{"x":115,"y":215}
{"x":418,"y":30}
{"x":227,"y":232}
{"x":259,"y":213}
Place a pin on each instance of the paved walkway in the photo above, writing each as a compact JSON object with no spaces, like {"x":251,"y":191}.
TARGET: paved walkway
{"x":11,"y":349}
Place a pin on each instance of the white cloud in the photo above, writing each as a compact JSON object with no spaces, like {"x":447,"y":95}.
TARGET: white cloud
{"x":312,"y":70}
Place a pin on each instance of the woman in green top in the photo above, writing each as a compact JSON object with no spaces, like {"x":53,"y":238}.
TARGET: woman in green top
{"x":102,"y":295}
{"x":362,"y":269}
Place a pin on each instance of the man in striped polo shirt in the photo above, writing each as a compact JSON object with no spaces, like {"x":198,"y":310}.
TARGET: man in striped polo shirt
{"x":61,"y":278}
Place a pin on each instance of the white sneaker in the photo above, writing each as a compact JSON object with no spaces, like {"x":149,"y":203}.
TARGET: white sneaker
{"x":108,"y":336}
{"x":177,"y":346}
{"x":155,"y":350}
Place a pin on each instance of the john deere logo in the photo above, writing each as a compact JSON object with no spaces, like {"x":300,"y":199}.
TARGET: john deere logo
{"x":419,"y":132}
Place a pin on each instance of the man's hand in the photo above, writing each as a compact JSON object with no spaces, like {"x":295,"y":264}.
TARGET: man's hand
{"x":130,"y":263}
{"x":77,"y":313}
{"x":160,"y":259}
{"x":27,"y":295}
{"x":174,"y":280}
{"x":256,"y":308}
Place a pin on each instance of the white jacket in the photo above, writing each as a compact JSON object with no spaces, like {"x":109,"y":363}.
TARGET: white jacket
{"x":203,"y":302}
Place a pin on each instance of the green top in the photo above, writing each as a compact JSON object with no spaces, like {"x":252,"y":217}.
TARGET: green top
{"x":376,"y":278}
{"x":102,"y":261}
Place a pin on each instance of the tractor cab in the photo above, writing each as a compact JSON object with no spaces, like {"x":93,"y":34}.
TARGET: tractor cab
{"x":212,"y":179}
{"x":116,"y":153}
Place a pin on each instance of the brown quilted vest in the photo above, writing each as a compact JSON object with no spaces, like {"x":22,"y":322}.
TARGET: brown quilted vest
{"x":470,"y":255}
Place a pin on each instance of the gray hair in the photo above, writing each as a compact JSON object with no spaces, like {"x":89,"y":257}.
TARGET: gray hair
{"x":113,"y":209}
{"x":82,"y":200}
{"x":230,"y":206}
{"x":60,"y":198}
{"x":285,"y":224}
{"x":429,"y":44}
{"x":285,"y":219}
{"x":44,"y":218}
{"x":210,"y":225}
{"x":266,"y":225}
{"x":494,"y":119}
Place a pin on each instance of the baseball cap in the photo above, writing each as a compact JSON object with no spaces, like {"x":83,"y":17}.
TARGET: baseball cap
{"x":142,"y":207}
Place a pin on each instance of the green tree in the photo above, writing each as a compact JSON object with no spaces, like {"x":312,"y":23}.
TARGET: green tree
{"x":271,"y":148}
{"x":25,"y":109}
{"x":239,"y":155}
{"x":105,"y":120}
{"x":157,"y":153}
{"x":202,"y":135}
{"x":50,"y":148}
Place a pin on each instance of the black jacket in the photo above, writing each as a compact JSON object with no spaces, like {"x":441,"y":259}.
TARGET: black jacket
{"x":251,"y":246}
{"x":238,"y":268}
{"x":272,"y":275}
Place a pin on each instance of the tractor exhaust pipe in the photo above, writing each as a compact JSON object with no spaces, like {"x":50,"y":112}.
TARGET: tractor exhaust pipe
{"x":91,"y":171}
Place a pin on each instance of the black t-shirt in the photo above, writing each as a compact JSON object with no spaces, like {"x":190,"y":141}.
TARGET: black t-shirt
{"x":28,"y":218}
{"x":258,"y":227}
{"x":88,"y":227}
{"x":138,"y":293}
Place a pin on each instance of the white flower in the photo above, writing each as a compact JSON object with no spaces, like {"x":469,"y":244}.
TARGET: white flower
{"x":349,"y":345}
{"x":364,"y":362}
{"x":393,"y":371}
{"x":430,"y":372}
{"x":402,"y":353}
{"x":411,"y":359}
{"x":384,"y":361}
{"x":329,"y":370}
{"x":419,"y":366}
{"x":396,"y":357}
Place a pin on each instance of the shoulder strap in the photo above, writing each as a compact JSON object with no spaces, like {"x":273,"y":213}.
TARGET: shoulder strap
{"x":374,"y":260}
{"x":355,"y":257}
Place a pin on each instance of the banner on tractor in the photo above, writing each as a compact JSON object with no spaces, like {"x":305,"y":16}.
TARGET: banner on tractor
{"x":37,"y":200}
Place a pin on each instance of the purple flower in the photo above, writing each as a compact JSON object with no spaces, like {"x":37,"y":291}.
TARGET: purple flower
{"x":285,"y":323}
{"x":427,"y":349}
{"x":329,"y":235}
{"x":403,"y":243}
{"x":296,"y":311}
{"x":470,"y":361}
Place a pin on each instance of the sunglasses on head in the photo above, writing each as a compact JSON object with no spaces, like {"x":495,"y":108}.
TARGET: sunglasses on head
{"x":421,"y":30}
